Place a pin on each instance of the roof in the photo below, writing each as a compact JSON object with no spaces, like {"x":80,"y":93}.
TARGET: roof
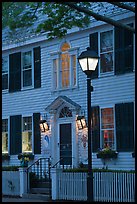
{"x":22,"y":34}
{"x":60,"y":101}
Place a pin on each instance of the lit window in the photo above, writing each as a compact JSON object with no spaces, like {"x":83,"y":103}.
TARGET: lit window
{"x":106,"y":51}
{"x":5,"y":136}
{"x":107,"y":127}
{"x":64,"y":68}
{"x":4,"y":73}
{"x":27,"y":134}
{"x":27,"y":68}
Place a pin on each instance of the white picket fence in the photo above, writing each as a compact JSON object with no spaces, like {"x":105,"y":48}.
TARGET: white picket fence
{"x":14,"y":183}
{"x":108,"y":186}
{"x":11,"y":183}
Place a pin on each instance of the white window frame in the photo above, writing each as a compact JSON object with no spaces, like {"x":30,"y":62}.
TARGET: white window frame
{"x":99,"y":48}
{"x":6,"y":90}
{"x":32,"y":62}
{"x":101,"y":139}
{"x":23,"y":116}
{"x":57,"y":56}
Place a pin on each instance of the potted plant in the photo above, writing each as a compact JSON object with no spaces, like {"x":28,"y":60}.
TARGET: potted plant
{"x":107,"y":153}
{"x":25,"y":158}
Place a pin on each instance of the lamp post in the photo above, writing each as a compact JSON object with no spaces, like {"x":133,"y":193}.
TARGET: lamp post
{"x":88,"y":61}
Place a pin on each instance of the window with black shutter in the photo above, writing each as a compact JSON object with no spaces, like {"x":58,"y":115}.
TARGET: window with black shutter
{"x":37,"y":67}
{"x":15,"y":135}
{"x":94,"y":46}
{"x":95,"y":128}
{"x":124,"y":126}
{"x":37,"y":134}
{"x":15,"y":72}
{"x":123,"y":50}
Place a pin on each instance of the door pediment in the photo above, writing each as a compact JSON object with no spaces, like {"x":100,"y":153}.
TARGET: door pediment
{"x":60,"y":101}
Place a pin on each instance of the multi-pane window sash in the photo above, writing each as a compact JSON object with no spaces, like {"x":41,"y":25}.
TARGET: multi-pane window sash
{"x":5,"y":136}
{"x":64,"y":69}
{"x":106,"y":51}
{"x":107,"y":127}
{"x":4,"y":73}
{"x":27,"y":134}
{"x":27,"y":68}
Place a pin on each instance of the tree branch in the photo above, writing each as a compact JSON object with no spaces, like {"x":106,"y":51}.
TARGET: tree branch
{"x":124,"y":6}
{"x":98,"y":17}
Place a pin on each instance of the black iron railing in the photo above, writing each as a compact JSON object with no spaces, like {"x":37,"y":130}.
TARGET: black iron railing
{"x":38,"y":172}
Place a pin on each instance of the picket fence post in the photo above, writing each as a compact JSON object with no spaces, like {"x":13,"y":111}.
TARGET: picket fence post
{"x":54,"y":177}
{"x":23,"y":180}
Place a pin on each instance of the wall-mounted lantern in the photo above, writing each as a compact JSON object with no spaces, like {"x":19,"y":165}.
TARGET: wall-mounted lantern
{"x":81,"y":122}
{"x":44,"y":125}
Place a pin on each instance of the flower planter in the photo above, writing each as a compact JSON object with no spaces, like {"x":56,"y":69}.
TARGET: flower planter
{"x":5,"y":156}
{"x":30,"y":156}
{"x":24,"y":163}
{"x":25,"y":158}
{"x":107,"y":156}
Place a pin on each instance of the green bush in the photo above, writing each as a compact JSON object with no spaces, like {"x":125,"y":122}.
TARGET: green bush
{"x":97,"y":170}
{"x":10,"y":168}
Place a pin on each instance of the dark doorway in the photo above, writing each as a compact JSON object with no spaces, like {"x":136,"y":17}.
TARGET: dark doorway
{"x":65,"y":144}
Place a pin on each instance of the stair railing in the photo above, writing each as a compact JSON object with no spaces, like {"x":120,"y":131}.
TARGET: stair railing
{"x":40,"y":169}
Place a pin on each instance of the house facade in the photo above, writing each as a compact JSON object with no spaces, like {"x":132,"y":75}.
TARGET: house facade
{"x":42,"y":79}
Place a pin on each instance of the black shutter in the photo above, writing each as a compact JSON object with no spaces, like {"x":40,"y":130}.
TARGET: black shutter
{"x":15,"y":135}
{"x":37,"y":67}
{"x":15,"y":72}
{"x":37,"y":135}
{"x":95,"y":128}
{"x":125,"y":126}
{"x":123,"y":50}
{"x":94,"y":46}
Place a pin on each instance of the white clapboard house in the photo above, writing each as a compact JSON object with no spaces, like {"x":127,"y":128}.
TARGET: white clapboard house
{"x":42,"y":79}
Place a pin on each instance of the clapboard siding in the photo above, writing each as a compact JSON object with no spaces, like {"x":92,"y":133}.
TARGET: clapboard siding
{"x":117,"y":89}
{"x":124,"y":161}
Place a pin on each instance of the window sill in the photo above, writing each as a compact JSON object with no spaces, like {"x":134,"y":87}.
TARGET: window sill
{"x":27,"y":88}
{"x":64,"y":89}
{"x":106,"y":74}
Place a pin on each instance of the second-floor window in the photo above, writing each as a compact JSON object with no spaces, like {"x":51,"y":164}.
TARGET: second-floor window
{"x":4,"y":73}
{"x":64,"y":68}
{"x":106,"y":51}
{"x":27,"y":68}
{"x":24,"y":70}
{"x":27,"y":134}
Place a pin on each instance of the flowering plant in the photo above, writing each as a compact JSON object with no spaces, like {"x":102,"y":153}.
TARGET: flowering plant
{"x":107,"y":153}
{"x":25,"y":158}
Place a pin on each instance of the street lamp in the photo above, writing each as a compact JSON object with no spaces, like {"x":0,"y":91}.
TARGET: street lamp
{"x":88,"y":61}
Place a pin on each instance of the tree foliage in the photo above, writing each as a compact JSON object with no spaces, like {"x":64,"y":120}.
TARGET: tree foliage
{"x":55,"y":18}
